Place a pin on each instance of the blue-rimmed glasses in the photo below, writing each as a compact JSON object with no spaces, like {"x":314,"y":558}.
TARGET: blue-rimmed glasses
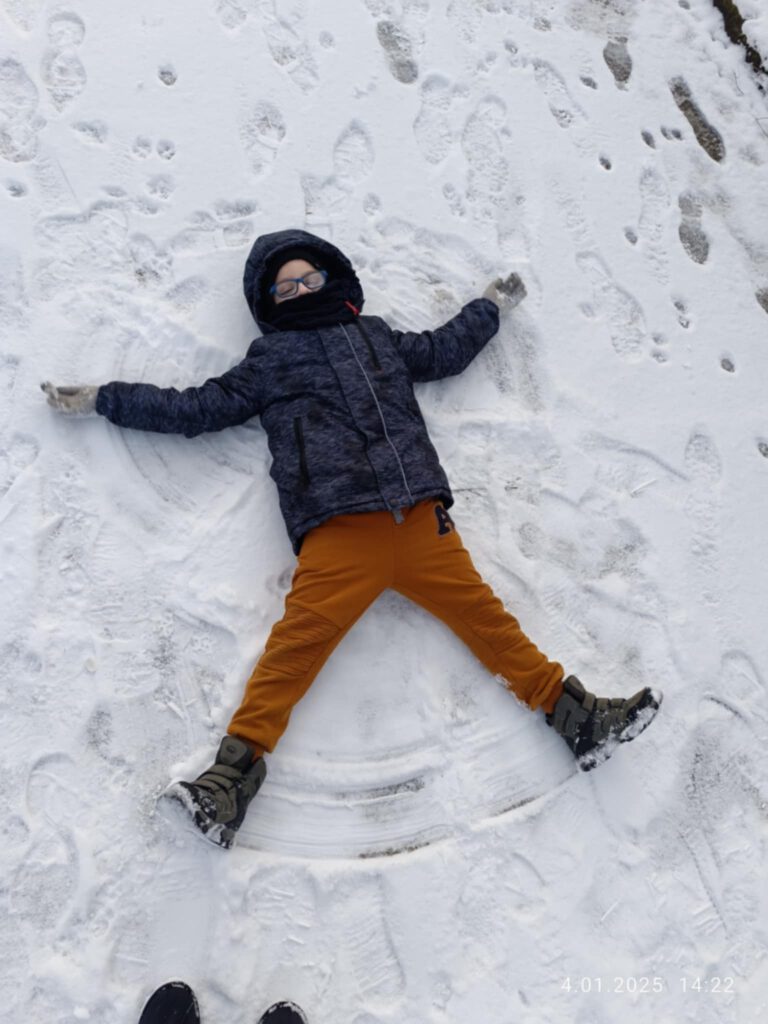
{"x":289,"y":286}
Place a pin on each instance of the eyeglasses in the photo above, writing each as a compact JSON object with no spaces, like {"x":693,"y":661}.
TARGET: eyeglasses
{"x":289,"y":286}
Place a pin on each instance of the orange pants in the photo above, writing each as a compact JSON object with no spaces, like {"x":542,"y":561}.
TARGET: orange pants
{"x":344,"y":564}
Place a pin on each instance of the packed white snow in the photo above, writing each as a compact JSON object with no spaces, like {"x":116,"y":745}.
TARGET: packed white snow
{"x":423,"y":849}
{"x":755,"y":25}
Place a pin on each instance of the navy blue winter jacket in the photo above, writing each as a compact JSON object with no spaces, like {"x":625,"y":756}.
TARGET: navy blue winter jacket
{"x":343,"y":425}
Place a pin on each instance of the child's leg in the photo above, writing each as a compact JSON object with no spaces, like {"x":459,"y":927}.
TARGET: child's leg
{"x":434,"y":569}
{"x":344,"y":564}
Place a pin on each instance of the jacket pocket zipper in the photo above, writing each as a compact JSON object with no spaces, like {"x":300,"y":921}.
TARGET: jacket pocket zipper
{"x":367,"y":339}
{"x":299,"y":433}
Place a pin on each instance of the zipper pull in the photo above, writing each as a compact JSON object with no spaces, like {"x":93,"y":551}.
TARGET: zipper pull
{"x":398,"y":514}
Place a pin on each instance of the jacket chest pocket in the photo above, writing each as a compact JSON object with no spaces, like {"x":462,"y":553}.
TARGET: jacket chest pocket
{"x":298,"y":433}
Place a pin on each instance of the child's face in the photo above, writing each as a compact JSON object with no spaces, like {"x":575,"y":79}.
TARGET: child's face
{"x":293,"y":268}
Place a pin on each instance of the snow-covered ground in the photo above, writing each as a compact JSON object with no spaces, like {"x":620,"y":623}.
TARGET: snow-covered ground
{"x":423,"y":849}
{"x":755,"y":25}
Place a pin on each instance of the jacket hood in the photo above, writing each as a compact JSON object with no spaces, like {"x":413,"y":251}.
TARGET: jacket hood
{"x":262,"y":260}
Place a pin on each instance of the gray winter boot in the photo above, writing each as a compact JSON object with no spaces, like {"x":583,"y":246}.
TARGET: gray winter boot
{"x":219,"y":798}
{"x":593,"y":726}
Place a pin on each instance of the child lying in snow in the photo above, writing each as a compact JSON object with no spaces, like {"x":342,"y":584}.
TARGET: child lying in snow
{"x":364,"y":498}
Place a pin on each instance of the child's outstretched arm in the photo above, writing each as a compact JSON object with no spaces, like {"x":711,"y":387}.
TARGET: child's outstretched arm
{"x":221,"y":402}
{"x":449,"y":349}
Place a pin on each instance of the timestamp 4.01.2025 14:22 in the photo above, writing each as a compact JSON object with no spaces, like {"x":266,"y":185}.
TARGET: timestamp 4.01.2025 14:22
{"x":642,"y":984}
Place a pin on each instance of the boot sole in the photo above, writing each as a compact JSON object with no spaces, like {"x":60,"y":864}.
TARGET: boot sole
{"x":641,"y":721}
{"x":218,"y":835}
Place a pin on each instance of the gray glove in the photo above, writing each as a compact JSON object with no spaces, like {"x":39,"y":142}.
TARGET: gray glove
{"x":74,"y":401}
{"x":506,"y":293}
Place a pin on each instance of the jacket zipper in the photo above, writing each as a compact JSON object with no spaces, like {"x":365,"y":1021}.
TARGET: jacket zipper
{"x":299,"y":434}
{"x":396,"y":512}
{"x":369,"y":343}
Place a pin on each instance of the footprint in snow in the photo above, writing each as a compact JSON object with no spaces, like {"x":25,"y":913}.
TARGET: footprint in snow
{"x":62,"y":70}
{"x":23,"y":14}
{"x":398,"y":49}
{"x":432,"y":127}
{"x":56,"y":790}
{"x":372,"y":205}
{"x":562,"y":106}
{"x":161,"y":186}
{"x":92,"y":131}
{"x":611,"y":18}
{"x":707,"y":136}
{"x":66,"y":29}
{"x":142,"y":147}
{"x":483,"y":150}
{"x":230,"y":13}
{"x":353,"y":154}
{"x":702,"y":461}
{"x":454,"y":200}
{"x":262,"y":131}
{"x":15,"y":965}
{"x":654,"y":215}
{"x":19,"y":123}
{"x":692,"y":236}
{"x":288,"y":49}
{"x":703,"y":507}
{"x":45,"y":883}
{"x":683,"y":317}
{"x":362,"y":918}
{"x":617,"y":58}
{"x":723,"y":795}
{"x":326,"y":198}
{"x":21,"y":451}
{"x":626,"y":320}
